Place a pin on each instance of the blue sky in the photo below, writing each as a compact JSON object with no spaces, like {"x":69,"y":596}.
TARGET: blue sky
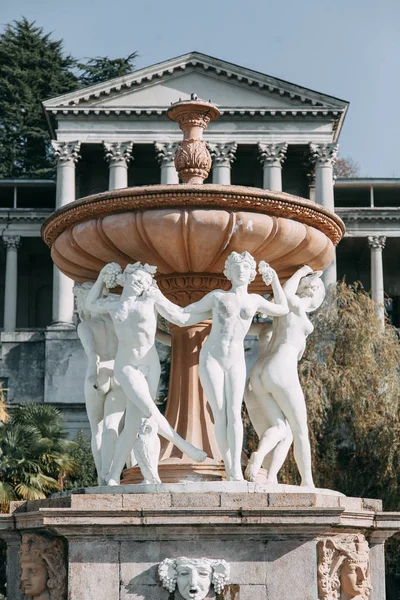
{"x":346,"y":48}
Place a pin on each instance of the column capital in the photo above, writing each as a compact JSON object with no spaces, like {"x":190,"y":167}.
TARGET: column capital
{"x":165,"y":152}
{"x":66,"y":152}
{"x":12,"y":241}
{"x":118,"y":152}
{"x":377,"y":241}
{"x":223,"y":154}
{"x":272,"y":155}
{"x":323,"y":155}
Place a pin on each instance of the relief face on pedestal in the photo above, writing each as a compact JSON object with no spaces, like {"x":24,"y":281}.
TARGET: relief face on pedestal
{"x":193,"y":576}
{"x":343,"y":568}
{"x":43,"y":573}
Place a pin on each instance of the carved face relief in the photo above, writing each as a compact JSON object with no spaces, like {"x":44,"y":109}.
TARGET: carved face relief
{"x":139,"y":281}
{"x":354,"y":578}
{"x":34,"y":578}
{"x":193,"y":580}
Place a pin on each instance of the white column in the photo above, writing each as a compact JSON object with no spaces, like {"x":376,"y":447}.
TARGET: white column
{"x":11,"y":243}
{"x":118,"y":155}
{"x":67,"y":154}
{"x":165,"y":153}
{"x":272,"y":157}
{"x":222,"y":157}
{"x":376,"y":244}
{"x":324,"y":156}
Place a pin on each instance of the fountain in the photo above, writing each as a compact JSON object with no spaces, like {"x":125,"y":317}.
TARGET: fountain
{"x":194,"y":535}
{"x":188,"y":231}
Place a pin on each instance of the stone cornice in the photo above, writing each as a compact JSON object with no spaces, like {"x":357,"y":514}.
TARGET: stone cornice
{"x":23,"y":215}
{"x":368,"y":214}
{"x":204,"y":63}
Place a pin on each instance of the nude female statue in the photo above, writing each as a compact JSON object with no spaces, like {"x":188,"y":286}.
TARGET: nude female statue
{"x":137,"y":366}
{"x":105,"y":399}
{"x":275,"y":392}
{"x":222,"y":367}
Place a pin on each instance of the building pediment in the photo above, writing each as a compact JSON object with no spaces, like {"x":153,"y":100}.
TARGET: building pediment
{"x":228,"y":86}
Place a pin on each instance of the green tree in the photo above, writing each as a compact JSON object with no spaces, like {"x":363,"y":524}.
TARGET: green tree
{"x":35,"y":454}
{"x":102,"y":68}
{"x":33,"y":68}
{"x":85,"y":473}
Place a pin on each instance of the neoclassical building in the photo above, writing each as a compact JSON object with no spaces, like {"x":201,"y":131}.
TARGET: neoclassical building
{"x":271,"y":134}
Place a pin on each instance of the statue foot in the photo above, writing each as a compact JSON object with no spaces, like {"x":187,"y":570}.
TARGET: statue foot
{"x":113,"y":482}
{"x":196,"y":454}
{"x":253,"y":467}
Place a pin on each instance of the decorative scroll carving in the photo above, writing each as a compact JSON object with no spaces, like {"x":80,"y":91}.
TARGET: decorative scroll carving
{"x":43,"y":572}
{"x":323,"y":155}
{"x":272,"y":155}
{"x":66,"y":152}
{"x":377,"y":241}
{"x":212,"y":196}
{"x":223,"y":154}
{"x":343,"y":568}
{"x":12,"y":242}
{"x":118,"y":152}
{"x":193,"y":576}
{"x":166,"y":152}
{"x":193,"y":160}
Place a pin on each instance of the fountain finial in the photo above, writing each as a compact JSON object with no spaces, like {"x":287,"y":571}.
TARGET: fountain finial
{"x":193,"y":160}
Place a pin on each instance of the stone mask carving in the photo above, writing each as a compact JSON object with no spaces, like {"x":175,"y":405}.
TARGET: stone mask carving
{"x":193,"y":576}
{"x":43,"y":573}
{"x":343,"y":568}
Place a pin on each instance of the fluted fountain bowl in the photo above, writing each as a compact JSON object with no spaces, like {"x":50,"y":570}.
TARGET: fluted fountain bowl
{"x":188,"y":231}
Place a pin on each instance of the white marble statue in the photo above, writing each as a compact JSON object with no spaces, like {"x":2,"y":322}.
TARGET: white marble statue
{"x":105,"y":399}
{"x":222,"y":367}
{"x":146,"y":448}
{"x":193,"y":576}
{"x":137,"y":366}
{"x":274,"y":396}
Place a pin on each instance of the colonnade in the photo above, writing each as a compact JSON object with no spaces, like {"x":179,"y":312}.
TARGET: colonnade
{"x":119,"y":154}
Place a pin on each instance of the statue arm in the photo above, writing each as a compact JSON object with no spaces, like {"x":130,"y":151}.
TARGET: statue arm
{"x":94,"y":301}
{"x":290,"y":287}
{"x":190,"y":315}
{"x":279,"y":307}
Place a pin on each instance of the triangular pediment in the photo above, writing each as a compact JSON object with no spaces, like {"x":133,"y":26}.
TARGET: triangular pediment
{"x":225,"y":84}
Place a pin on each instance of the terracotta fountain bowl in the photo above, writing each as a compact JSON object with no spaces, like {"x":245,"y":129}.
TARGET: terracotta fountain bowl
{"x":188,"y":231}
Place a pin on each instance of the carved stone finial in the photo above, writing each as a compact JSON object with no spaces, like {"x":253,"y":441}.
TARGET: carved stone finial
{"x":193,"y":160}
{"x":324,"y":154}
{"x":165,"y":152}
{"x":193,"y":576}
{"x":377,"y":241}
{"x":272,"y":155}
{"x":43,"y":572}
{"x":118,"y":152}
{"x":66,"y":152}
{"x":223,"y":154}
{"x":12,"y":242}
{"x":343,"y":568}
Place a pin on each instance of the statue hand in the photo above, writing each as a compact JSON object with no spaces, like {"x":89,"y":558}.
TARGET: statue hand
{"x":154,"y":293}
{"x":306,"y":270}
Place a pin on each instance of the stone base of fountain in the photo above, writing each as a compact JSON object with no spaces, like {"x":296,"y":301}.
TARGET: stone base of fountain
{"x":115,"y":539}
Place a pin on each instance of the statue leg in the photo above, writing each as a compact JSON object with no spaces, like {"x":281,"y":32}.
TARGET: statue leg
{"x":212,"y":379}
{"x":235,"y":382}
{"x":273,"y":462}
{"x":270,"y":438}
{"x":94,"y":399}
{"x":124,"y":443}
{"x":114,"y":408}
{"x":136,"y":387}
{"x":293,"y":406}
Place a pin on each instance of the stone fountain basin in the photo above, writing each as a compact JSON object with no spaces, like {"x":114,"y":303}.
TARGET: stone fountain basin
{"x":188,"y":231}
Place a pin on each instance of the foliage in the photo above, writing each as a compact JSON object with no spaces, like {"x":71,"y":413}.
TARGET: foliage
{"x":35,"y":454}
{"x":3,"y":407}
{"x":346,"y":167}
{"x":85,"y":472}
{"x":102,"y":68}
{"x":33,"y":67}
{"x":3,"y":568}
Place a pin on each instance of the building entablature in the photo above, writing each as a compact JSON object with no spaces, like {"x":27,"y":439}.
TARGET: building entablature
{"x":364,"y":222}
{"x":24,"y":222}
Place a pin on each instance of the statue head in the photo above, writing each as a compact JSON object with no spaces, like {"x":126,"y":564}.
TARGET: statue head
{"x":343,"y":569}
{"x":137,"y":277}
{"x":240,"y":268}
{"x":81,"y":291}
{"x":311,"y":286}
{"x":43,"y":572}
{"x":193,"y":576}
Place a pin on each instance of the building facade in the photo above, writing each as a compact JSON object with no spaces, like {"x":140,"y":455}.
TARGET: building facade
{"x":271,"y":134}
